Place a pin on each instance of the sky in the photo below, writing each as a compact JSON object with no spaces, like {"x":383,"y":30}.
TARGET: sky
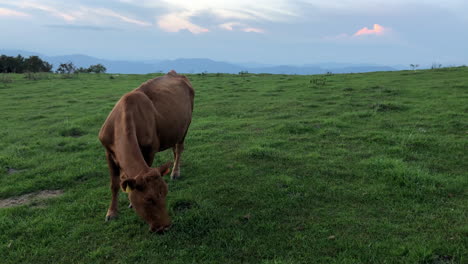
{"x":293,"y":32}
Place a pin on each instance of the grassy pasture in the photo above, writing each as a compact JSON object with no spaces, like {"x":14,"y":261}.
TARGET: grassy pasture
{"x":352,"y":168}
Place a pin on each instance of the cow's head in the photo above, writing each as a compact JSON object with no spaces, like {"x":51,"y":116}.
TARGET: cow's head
{"x":147,"y":193}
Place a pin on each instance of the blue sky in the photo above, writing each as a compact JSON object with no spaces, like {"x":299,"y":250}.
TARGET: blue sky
{"x":263,"y":31}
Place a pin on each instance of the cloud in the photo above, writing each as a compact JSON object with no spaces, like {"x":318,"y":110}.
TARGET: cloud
{"x":79,"y":13}
{"x":230,"y":25}
{"x":377,"y":30}
{"x":271,"y":10}
{"x":254,"y":30}
{"x":113,"y":14}
{"x":82,"y":27}
{"x":175,"y":22}
{"x":32,"y":5}
{"x":228,"y":15}
{"x":232,"y":14}
{"x":12,"y":13}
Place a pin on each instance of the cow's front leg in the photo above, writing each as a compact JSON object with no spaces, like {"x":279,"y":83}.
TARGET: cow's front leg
{"x":177,"y":153}
{"x":114,"y":172}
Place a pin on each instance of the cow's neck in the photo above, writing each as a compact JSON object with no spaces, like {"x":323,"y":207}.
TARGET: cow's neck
{"x":129,"y":156}
{"x":133,"y":168}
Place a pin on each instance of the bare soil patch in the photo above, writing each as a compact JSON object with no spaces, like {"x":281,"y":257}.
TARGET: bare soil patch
{"x":27,"y":198}
{"x":13,"y":171}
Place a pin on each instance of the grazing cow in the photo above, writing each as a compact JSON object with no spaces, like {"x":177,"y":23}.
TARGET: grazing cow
{"x":149,"y":119}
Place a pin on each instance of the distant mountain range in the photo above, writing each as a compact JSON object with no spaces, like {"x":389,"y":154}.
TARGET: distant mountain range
{"x":202,"y":65}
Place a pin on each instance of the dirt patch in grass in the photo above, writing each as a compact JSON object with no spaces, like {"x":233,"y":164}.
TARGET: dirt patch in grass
{"x":12,"y":171}
{"x":183,"y":205}
{"x":28,"y":198}
{"x":72,"y":132}
{"x":380,"y":107}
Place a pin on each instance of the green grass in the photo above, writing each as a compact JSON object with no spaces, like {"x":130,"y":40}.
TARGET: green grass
{"x":353,"y":168}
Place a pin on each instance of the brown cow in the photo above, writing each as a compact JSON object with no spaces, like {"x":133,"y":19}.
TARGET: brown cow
{"x":149,"y":119}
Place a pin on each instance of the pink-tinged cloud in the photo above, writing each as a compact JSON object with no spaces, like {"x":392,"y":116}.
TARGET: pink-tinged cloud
{"x":230,"y":26}
{"x":11,"y":13}
{"x":377,"y":30}
{"x":253,"y":30}
{"x":176,"y":22}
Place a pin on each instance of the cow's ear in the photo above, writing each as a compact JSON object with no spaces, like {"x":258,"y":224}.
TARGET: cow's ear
{"x":128,"y":185}
{"x":165,"y":169}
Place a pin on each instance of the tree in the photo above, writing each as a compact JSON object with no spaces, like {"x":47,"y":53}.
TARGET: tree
{"x":47,"y":67}
{"x":98,"y":68}
{"x":33,"y":64}
{"x":436,"y":65}
{"x":19,"y":64}
{"x":414,"y":66}
{"x":82,"y":70}
{"x":66,"y":68}
{"x":3,"y":60}
{"x":11,"y":64}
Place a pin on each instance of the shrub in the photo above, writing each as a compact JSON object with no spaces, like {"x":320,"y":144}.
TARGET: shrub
{"x":318,"y":82}
{"x":35,"y":76}
{"x":5,"y":78}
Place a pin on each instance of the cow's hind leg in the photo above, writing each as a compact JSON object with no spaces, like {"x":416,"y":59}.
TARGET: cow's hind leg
{"x":177,"y":149}
{"x":115,"y":186}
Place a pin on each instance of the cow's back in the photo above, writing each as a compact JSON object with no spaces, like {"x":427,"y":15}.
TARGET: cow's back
{"x":172,"y":96}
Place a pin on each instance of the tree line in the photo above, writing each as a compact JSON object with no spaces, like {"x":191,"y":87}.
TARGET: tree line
{"x":69,"y":68}
{"x":20,"y":64}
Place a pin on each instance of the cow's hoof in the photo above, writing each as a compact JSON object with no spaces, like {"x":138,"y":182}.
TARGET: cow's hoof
{"x":130,"y":205}
{"x":175,"y":176}
{"x":110,"y":217}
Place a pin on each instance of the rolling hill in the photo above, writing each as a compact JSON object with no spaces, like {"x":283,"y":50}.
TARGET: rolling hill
{"x":199,"y":65}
